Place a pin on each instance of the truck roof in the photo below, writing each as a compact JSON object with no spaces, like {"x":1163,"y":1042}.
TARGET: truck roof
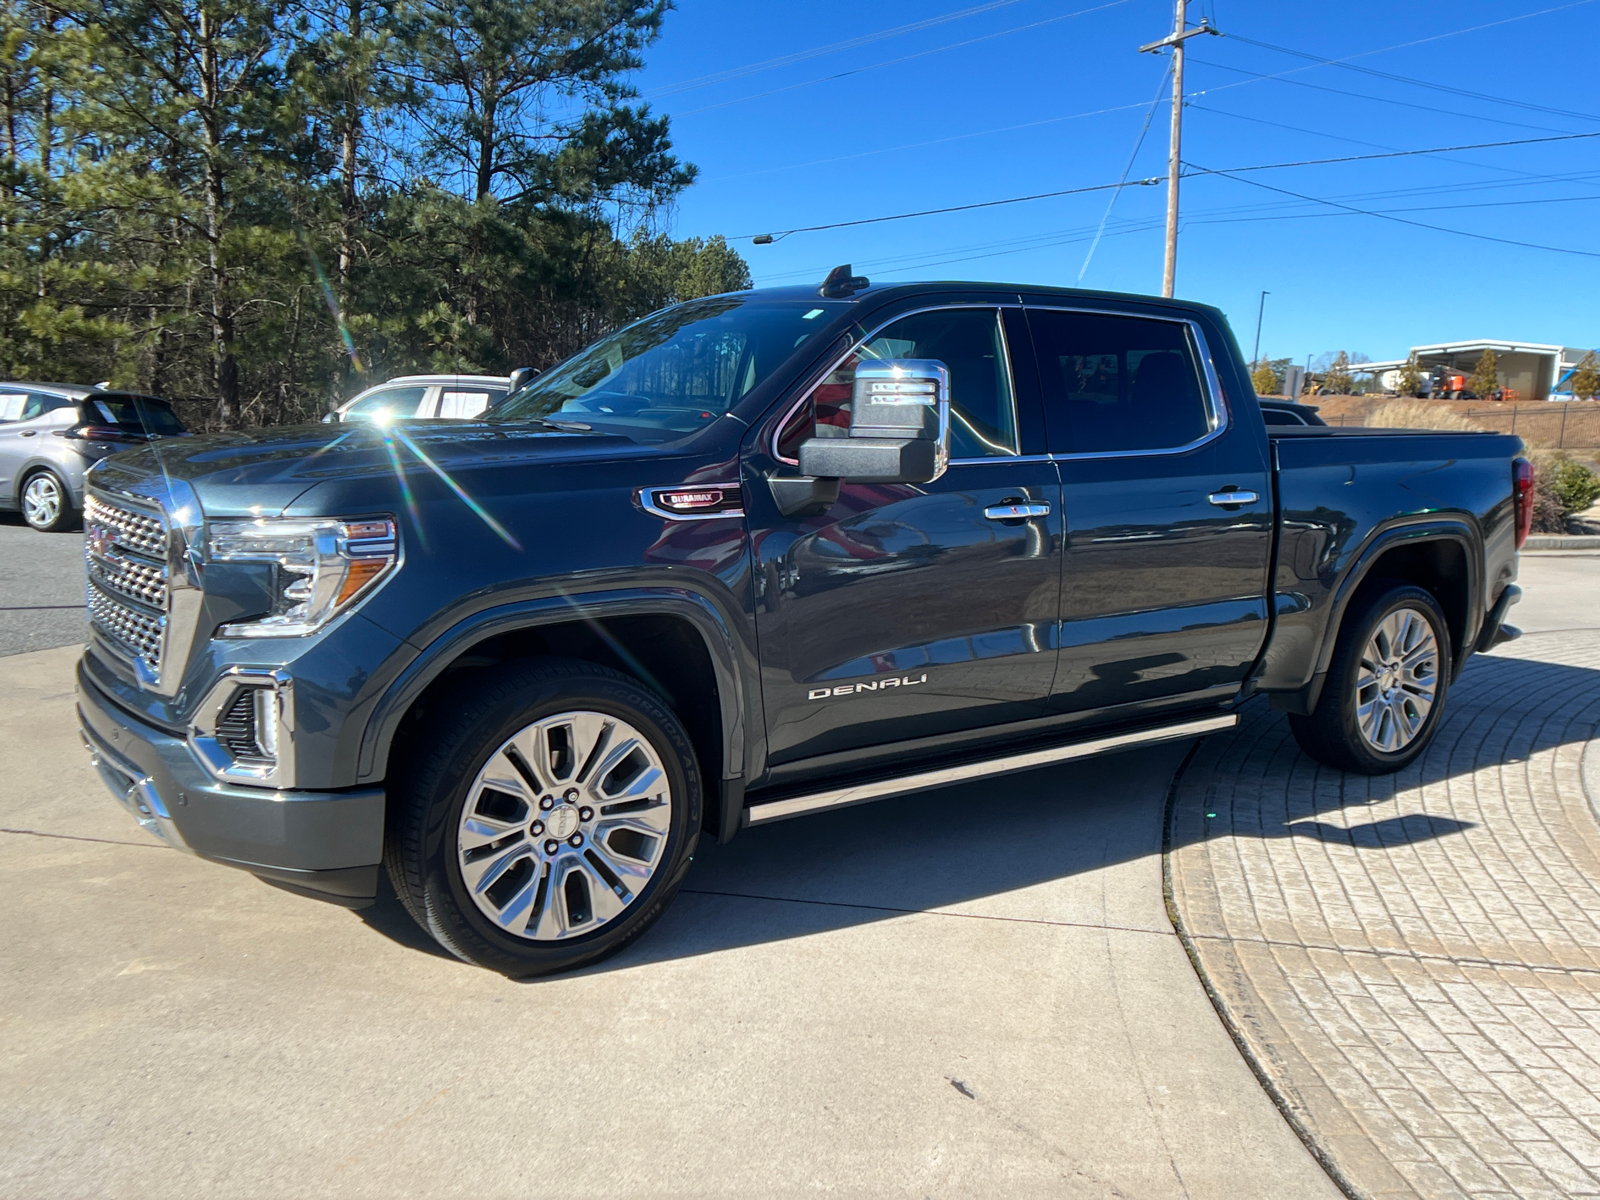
{"x":881,"y":292}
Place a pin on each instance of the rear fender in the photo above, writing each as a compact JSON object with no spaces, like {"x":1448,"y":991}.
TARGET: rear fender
{"x":1404,"y":532}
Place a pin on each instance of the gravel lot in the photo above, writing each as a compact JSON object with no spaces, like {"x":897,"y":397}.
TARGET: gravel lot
{"x":41,"y":588}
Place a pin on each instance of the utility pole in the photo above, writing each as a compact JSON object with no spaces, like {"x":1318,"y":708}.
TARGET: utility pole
{"x":1179,"y":35}
{"x":1260,"y":308}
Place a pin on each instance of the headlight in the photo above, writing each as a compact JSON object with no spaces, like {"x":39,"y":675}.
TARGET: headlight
{"x":319,"y":567}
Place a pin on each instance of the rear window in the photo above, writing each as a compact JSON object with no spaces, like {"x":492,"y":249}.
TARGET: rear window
{"x":137,"y":414}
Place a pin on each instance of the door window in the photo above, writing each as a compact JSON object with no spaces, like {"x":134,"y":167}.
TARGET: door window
{"x":459,"y":405}
{"x":37,"y":405}
{"x":983,"y":418}
{"x":395,"y":402}
{"x":1114,"y":383}
{"x":11,"y":405}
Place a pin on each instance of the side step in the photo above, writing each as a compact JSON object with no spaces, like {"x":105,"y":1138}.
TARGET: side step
{"x":879,"y":789}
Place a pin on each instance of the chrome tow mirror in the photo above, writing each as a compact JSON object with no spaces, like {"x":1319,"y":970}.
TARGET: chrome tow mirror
{"x":899,"y":426}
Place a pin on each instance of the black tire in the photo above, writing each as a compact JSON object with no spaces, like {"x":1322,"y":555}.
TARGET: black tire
{"x":65,"y":517}
{"x":1332,"y":733}
{"x":421,"y":845}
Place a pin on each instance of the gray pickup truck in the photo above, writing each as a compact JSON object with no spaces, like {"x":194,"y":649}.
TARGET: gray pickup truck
{"x":754,"y":556}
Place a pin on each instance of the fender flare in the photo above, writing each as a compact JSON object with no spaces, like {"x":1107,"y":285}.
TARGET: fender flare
{"x":1399,"y":532}
{"x":701,"y":613}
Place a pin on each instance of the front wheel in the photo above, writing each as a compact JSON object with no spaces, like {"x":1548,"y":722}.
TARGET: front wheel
{"x":46,"y":503}
{"x":1384,"y":696}
{"x":550,"y":819}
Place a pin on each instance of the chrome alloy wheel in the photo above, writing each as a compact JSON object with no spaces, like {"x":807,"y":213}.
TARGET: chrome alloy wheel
{"x":1398,"y":680}
{"x":564,"y":826}
{"x":42,"y":500}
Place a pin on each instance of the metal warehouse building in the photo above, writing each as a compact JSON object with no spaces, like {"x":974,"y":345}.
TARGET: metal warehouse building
{"x":1531,"y":369}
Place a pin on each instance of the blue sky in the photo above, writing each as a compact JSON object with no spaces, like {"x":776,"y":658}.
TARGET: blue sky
{"x":1023,"y":96}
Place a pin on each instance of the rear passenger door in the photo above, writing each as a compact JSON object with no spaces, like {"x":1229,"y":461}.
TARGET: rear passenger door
{"x":1168,"y":510}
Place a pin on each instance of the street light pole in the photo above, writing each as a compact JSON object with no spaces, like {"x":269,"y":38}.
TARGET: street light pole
{"x":1255,"y":357}
{"x":1179,"y":35}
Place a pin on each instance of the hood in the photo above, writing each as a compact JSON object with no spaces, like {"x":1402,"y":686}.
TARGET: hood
{"x":265,"y":470}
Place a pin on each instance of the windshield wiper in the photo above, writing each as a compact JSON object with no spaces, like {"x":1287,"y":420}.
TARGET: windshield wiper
{"x":568,"y":426}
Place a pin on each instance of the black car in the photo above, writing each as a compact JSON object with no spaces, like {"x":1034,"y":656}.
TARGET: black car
{"x":753,"y":556}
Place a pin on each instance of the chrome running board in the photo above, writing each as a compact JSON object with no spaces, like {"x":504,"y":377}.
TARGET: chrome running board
{"x":861,"y":793}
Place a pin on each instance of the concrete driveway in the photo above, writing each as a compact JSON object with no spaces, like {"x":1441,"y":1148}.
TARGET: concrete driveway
{"x":974,"y":992}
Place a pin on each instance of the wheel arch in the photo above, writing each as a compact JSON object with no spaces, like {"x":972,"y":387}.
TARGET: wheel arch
{"x":1442,"y":556}
{"x":675,"y":642}
{"x":40,"y":463}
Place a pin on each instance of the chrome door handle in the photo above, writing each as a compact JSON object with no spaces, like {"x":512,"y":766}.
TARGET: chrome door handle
{"x":1016,"y":512}
{"x":1232,"y":499}
{"x":30,"y":433}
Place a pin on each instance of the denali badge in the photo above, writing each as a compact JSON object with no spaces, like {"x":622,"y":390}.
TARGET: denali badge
{"x":849,"y":689}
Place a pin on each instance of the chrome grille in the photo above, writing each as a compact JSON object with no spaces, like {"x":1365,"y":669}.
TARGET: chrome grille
{"x":129,"y":577}
{"x":125,"y":554}
{"x":138,"y":633}
{"x":136,"y":531}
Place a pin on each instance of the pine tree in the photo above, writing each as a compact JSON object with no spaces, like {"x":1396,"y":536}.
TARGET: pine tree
{"x":1485,"y":378}
{"x":1585,"y":381}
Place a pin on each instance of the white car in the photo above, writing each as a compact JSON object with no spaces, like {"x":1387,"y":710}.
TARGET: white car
{"x":458,"y":397}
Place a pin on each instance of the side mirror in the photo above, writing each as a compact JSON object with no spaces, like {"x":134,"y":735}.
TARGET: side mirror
{"x":330,"y":418}
{"x":899,"y":426}
{"x":520,"y":378}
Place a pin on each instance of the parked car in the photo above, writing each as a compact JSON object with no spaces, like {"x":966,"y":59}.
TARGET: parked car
{"x":754,"y":556}
{"x":411,"y":397}
{"x":51,"y":433}
{"x":1287,"y":412}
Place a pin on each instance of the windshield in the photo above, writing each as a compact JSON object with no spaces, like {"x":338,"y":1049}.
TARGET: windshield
{"x":675,"y":371}
{"x":141,"y":414}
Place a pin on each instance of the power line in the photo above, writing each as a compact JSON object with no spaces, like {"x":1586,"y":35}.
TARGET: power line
{"x":1064,"y":237}
{"x":1422,"y":83}
{"x":866,"y":39}
{"x":1318,"y":87}
{"x":932,"y":212}
{"x":1482,"y":237}
{"x":1102,"y":187}
{"x":1317,"y":162}
{"x":1126,"y":171}
{"x":906,"y":58}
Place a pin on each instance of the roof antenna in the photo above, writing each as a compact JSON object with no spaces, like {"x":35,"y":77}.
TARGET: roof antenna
{"x":840,"y":282}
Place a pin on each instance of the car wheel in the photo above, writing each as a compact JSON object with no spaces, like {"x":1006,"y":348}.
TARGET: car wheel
{"x":46,"y":503}
{"x":549,"y":821}
{"x":1385,"y":691}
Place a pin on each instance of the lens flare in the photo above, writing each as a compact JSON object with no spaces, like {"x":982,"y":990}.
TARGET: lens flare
{"x":332,"y":301}
{"x":405,"y":489}
{"x":444,"y":476}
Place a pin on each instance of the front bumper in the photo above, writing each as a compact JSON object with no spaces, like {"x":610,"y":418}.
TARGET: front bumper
{"x":323,"y":844}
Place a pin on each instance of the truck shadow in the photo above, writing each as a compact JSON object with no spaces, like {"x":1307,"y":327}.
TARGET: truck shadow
{"x":976,"y":849}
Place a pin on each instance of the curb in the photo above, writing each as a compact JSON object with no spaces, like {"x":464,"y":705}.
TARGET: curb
{"x":1563,"y":541}
{"x":1279,"y":1101}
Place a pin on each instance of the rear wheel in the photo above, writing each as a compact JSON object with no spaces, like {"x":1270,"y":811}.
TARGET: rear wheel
{"x":549,"y":822}
{"x":46,"y":503}
{"x":1384,"y":696}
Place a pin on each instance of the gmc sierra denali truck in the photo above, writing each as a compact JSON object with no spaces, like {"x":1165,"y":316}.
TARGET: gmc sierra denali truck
{"x":754,"y":556}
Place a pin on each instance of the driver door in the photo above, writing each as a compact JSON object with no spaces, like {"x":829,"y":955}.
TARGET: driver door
{"x":912,"y":610}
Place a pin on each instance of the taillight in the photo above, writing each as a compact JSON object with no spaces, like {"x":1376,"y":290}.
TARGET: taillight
{"x":106,"y":433}
{"x":1522,"y":493}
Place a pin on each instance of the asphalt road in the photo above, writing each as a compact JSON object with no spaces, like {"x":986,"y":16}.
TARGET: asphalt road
{"x":41,"y":588}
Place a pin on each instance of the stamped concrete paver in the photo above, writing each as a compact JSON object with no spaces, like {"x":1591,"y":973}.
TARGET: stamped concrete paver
{"x":1412,"y":963}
